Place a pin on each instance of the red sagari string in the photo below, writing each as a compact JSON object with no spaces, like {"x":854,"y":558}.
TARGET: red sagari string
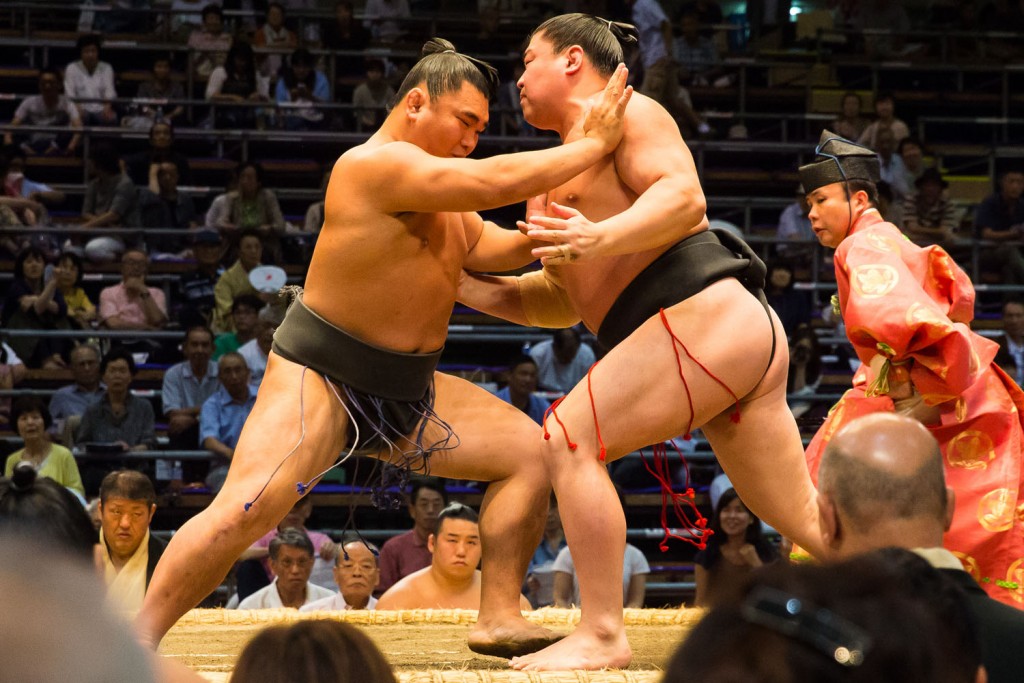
{"x":551,"y":411}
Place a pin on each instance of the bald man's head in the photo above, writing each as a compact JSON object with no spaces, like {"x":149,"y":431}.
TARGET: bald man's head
{"x":884,"y":468}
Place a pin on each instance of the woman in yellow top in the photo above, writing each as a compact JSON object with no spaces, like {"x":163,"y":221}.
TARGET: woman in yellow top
{"x":69,"y":282}
{"x":50,"y":460}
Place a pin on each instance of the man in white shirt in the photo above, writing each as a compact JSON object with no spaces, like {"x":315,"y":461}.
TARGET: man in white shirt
{"x":291,"y":559}
{"x":256,"y":351}
{"x":562,"y":361}
{"x":89,"y":78}
{"x":357,"y":574}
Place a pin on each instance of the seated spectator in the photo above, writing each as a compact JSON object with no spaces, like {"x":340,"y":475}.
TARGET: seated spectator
{"x":234,"y":282}
{"x":12,"y":372}
{"x":256,"y":351}
{"x":324,"y":651}
{"x":236,"y":82}
{"x":345,"y":33}
{"x":68,"y":404}
{"x":795,"y":225}
{"x":1000,"y":218}
{"x":32,"y":420}
{"x":118,"y":417}
{"x":736,"y":547}
{"x":315,"y":213}
{"x":291,"y":560}
{"x":196,"y":287}
{"x":887,"y":23}
{"x":186,"y":387}
{"x":522,"y":383}
{"x":850,"y":621}
{"x":245,"y":310}
{"x":891,"y":210}
{"x":139,"y":166}
{"x":111,"y":201}
{"x":254,"y":207}
{"x":850,"y":124}
{"x":326,"y":550}
{"x":36,"y":303}
{"x":562,"y":361}
{"x":792,"y":305}
{"x":223,"y":415}
{"x":383,"y":17}
{"x":91,"y":79}
{"x":130,"y":304}
{"x":566,"y":590}
{"x":928,"y":215}
{"x":804,"y":367}
{"x":1011,"y":342}
{"x":356,"y":575}
{"x":452,"y":581}
{"x":274,"y":34}
{"x":882,"y":484}
{"x":210,"y":42}
{"x":186,"y":16}
{"x":129,"y":552}
{"x":162,"y":205}
{"x":708,"y":14}
{"x":696,"y":54}
{"x":70,"y":276}
{"x":29,"y":199}
{"x":161,"y":86}
{"x":885,"y":109}
{"x":372,"y":97}
{"x":540,"y":577}
{"x":406,"y":553}
{"x":217,"y":213}
{"x":302,"y":84}
{"x":911,"y":151}
{"x":891,"y":168}
{"x":49,"y":108}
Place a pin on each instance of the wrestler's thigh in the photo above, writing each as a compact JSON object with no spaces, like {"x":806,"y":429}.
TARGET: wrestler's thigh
{"x":292,"y":405}
{"x":495,"y":439}
{"x":638,"y":395}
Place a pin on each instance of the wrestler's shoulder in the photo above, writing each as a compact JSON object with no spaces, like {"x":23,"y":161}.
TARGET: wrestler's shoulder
{"x":369,"y":153}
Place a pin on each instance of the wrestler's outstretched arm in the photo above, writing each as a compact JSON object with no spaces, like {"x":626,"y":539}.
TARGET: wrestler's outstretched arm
{"x":536,"y":299}
{"x":654,"y":162}
{"x":421,"y":182}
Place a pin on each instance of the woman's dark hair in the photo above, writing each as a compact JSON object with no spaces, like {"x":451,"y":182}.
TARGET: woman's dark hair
{"x":76,"y":261}
{"x":805,"y":332}
{"x":40,"y":509}
{"x":30,"y":404}
{"x":118,"y":353}
{"x":319,"y":651}
{"x":754,"y":534}
{"x":213,"y":8}
{"x":243,"y":50}
{"x":300,"y":57}
{"x":19,"y":262}
{"x":105,"y":158}
{"x":254,"y":165}
{"x":444,"y":70}
{"x":162,"y":122}
{"x":602,"y":40}
{"x":87,"y":39}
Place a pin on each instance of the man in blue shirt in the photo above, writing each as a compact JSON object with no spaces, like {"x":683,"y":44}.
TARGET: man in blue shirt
{"x":522,"y":382}
{"x":224,"y":413}
{"x":72,"y":400}
{"x":186,"y":385}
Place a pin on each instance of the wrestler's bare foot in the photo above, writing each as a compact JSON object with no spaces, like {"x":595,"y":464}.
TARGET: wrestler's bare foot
{"x":510,"y":637}
{"x":584,"y":648}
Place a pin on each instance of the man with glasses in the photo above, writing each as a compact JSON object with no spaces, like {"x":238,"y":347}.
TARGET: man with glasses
{"x":70,"y":402}
{"x":130,"y":304}
{"x":291,"y":559}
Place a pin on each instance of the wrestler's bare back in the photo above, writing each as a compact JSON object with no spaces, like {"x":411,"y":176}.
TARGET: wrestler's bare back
{"x":387,"y":279}
{"x":600,"y":192}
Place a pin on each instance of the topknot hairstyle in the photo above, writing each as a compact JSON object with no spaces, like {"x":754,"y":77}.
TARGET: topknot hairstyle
{"x":444,"y":70}
{"x":602,"y":40}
